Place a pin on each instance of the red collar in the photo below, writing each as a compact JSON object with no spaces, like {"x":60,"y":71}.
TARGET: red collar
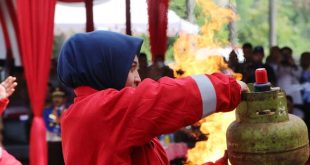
{"x":84,"y":91}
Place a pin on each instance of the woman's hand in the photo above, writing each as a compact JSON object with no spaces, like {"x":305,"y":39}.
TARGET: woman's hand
{"x":244,"y":87}
{"x":7,"y":87}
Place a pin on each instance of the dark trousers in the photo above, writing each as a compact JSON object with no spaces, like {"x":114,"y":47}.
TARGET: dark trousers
{"x":55,"y":154}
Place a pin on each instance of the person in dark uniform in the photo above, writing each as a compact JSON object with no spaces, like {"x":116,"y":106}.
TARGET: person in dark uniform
{"x":257,"y":62}
{"x":52,"y":116}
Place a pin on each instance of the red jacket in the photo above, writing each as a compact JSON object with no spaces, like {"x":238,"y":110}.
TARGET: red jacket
{"x":5,"y":157}
{"x":120,"y":127}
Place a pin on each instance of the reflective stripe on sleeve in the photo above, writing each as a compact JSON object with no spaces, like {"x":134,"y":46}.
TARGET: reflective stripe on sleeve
{"x":207,"y":92}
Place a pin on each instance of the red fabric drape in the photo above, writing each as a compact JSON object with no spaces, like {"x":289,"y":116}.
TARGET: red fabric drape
{"x":71,"y":1}
{"x":13,"y":16}
{"x":158,"y":19}
{"x":36,"y":22}
{"x":128,"y":18}
{"x":9,"y":52}
{"x":5,"y":30}
{"x":89,"y":16}
{"x":89,"y":13}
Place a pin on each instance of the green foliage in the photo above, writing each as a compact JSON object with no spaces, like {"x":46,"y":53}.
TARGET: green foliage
{"x":199,"y":16}
{"x":57,"y":44}
{"x":146,"y":48}
{"x":252,"y":25}
{"x":292,"y":23}
{"x":169,"y":53}
{"x":179,"y":6}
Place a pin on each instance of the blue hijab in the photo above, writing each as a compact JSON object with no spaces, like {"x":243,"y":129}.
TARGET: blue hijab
{"x":99,"y":59}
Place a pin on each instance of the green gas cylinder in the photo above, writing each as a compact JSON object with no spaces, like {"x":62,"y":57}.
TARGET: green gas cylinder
{"x":264,"y":133}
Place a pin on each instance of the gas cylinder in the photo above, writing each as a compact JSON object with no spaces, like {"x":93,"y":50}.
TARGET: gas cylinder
{"x":263,"y":132}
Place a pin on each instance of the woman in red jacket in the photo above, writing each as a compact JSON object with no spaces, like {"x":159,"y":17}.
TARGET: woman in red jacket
{"x":7,"y":87}
{"x":113,"y":120}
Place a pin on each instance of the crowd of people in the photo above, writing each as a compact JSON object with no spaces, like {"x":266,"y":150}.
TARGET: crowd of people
{"x":291,"y":75}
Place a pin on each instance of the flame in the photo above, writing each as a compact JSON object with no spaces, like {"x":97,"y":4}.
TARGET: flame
{"x":201,"y":54}
{"x":215,"y":127}
{"x":215,"y":18}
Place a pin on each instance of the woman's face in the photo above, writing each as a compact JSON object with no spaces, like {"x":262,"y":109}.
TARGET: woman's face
{"x":133,"y":78}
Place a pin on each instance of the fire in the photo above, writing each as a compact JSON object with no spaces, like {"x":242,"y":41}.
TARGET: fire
{"x":215,"y":127}
{"x":201,"y":54}
{"x":215,"y":18}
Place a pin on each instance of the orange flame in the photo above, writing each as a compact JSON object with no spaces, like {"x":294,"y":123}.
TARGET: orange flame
{"x":215,"y":18}
{"x":215,"y":127}
{"x":200,"y":54}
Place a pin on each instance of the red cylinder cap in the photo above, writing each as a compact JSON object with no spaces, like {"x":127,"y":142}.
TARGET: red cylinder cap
{"x":261,"y":76}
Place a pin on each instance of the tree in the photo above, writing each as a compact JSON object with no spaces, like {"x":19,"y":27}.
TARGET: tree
{"x":179,"y":7}
{"x":293,"y":27}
